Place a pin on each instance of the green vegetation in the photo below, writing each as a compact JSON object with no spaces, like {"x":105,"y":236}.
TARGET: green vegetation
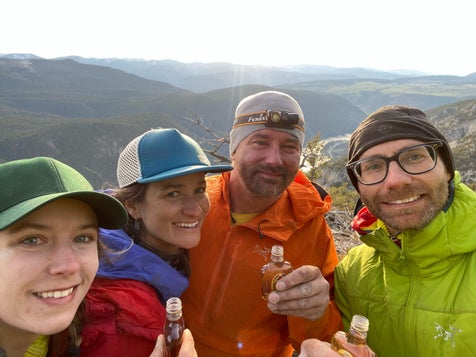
{"x":84,"y":114}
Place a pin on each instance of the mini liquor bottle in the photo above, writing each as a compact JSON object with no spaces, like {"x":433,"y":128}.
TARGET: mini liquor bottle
{"x":274,"y":270}
{"x":174,"y":326}
{"x":354,"y":342}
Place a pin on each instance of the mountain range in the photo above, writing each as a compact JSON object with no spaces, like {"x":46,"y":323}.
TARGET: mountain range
{"x":84,"y":111}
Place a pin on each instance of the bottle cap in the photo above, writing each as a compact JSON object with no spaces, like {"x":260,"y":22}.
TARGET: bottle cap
{"x":277,"y":250}
{"x":360,"y":322}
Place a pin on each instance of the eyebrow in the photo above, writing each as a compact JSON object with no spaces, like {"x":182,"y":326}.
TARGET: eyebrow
{"x":178,"y":185}
{"x":28,"y":225}
{"x":395,"y":152}
{"x":289,"y":138}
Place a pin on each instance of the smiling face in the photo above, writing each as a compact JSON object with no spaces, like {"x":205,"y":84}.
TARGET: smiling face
{"x":404,"y":201}
{"x":48,"y":261}
{"x":266,"y":162}
{"x":172,"y":212}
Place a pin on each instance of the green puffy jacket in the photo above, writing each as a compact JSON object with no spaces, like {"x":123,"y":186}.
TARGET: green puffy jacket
{"x":420,"y":298}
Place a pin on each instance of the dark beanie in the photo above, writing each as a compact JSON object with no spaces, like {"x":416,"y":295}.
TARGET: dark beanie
{"x":393,"y":123}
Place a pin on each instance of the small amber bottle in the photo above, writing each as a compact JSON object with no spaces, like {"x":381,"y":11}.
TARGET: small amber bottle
{"x":274,"y":270}
{"x":174,"y":326}
{"x":354,"y":342}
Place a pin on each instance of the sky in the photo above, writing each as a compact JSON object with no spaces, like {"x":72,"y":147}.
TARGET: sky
{"x":432,"y":36}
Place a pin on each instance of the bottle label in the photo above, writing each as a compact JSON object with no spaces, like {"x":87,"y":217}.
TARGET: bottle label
{"x":270,"y":274}
{"x":344,"y":353}
{"x":275,"y":279}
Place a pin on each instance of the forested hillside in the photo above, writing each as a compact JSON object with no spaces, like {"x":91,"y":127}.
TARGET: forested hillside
{"x":85,"y":114}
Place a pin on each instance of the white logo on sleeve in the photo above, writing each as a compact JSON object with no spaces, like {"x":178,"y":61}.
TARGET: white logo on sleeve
{"x":446,"y":334}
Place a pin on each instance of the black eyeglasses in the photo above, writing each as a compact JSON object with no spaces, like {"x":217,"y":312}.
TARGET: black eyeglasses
{"x":413,"y":160}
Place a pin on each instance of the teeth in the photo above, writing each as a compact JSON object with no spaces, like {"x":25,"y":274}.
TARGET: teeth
{"x":411,"y":199}
{"x":187,"y":225}
{"x":55,"y":294}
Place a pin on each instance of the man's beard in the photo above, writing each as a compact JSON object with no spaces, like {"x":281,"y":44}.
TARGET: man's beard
{"x":265,"y":187}
{"x":411,"y":218}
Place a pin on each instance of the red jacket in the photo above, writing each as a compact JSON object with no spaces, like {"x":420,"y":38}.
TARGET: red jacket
{"x":223,"y":305}
{"x":123,"y":307}
{"x":127,"y":318}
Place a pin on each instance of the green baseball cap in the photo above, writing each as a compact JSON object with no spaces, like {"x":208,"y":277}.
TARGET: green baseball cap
{"x":29,"y":184}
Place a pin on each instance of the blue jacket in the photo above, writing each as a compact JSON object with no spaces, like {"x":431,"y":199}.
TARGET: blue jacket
{"x":131,"y":261}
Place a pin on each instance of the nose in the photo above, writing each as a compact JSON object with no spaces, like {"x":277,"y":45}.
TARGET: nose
{"x":273,"y":155}
{"x":192,"y":206}
{"x":396,"y":176}
{"x":64,"y":260}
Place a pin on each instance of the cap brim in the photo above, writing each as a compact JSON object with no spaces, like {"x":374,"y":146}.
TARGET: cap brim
{"x":110,"y":213}
{"x":186,"y":171}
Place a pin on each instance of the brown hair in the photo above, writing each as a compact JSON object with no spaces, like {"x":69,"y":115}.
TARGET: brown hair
{"x":132,"y":193}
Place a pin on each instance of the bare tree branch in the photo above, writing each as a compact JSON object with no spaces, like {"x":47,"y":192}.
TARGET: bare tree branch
{"x":214,"y":144}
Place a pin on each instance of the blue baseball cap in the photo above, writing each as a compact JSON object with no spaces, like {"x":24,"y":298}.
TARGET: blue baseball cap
{"x":161,"y":154}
